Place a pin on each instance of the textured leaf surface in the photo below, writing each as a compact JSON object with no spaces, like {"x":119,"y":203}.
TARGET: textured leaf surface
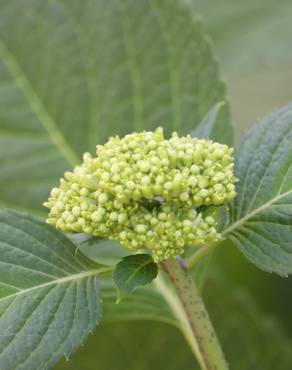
{"x":132,"y":272}
{"x":145,"y":303}
{"x":211,"y":122}
{"x":72,"y":73}
{"x":261,"y":215}
{"x":49,"y":294}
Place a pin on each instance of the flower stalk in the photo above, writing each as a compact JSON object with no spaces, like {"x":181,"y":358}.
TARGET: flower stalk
{"x":189,"y":309}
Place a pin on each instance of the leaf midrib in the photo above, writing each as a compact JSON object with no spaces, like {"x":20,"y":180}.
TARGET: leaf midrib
{"x":242,"y":220}
{"x":75,"y":277}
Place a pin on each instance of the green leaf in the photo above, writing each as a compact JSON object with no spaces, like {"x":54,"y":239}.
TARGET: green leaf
{"x":132,"y":272}
{"x":49,"y":294}
{"x":145,"y":303}
{"x":262,"y":211}
{"x":210,"y":126}
{"x":106,"y":252}
{"x":87,"y":70}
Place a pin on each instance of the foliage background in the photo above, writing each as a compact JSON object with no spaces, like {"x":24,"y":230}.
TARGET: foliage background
{"x":253,"y":43}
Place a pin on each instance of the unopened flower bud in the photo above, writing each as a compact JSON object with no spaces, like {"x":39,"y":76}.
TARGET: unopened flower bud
{"x":147,"y":192}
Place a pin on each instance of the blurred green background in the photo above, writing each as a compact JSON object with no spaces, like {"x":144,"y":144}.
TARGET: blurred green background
{"x":252,"y":39}
{"x":253,"y":42}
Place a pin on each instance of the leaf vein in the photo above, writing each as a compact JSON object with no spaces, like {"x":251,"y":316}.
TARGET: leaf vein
{"x":62,"y":280}
{"x":242,"y":220}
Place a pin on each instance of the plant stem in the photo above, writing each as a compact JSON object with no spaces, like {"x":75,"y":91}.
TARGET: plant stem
{"x":191,"y":313}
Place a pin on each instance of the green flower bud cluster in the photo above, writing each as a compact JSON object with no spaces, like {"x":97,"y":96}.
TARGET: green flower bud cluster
{"x":147,"y":192}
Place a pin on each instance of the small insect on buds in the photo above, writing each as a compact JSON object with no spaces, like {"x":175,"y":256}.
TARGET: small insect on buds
{"x":147,"y":192}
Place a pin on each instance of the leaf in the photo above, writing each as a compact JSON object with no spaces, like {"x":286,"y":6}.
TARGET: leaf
{"x":106,"y":252}
{"x":262,"y":211}
{"x":211,"y":125}
{"x":72,"y":73}
{"x":132,"y":272}
{"x":144,"y":303}
{"x":49,"y":294}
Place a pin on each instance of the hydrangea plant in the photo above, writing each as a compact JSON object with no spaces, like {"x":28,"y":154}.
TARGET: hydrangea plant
{"x":156,"y":203}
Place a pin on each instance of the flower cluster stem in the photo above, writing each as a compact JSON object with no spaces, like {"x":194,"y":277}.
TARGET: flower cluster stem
{"x":191,"y":313}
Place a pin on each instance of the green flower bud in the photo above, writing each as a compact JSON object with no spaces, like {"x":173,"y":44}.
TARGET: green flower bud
{"x":147,"y":192}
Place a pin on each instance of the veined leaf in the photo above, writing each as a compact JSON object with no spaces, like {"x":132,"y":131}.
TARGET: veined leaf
{"x":262,"y":212}
{"x":211,"y":122}
{"x":86,"y":70}
{"x":144,"y":303}
{"x":106,"y":252}
{"x":132,"y":272}
{"x":49,"y":294}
